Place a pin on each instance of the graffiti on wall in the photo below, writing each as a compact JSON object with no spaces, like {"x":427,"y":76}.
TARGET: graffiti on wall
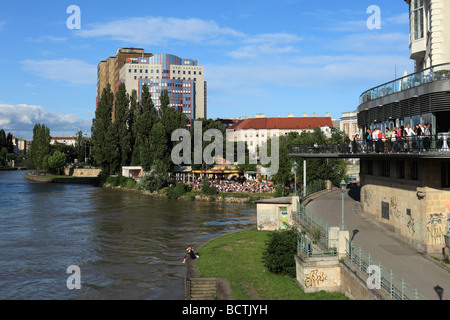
{"x":314,"y":279}
{"x":366,"y":198}
{"x":436,"y":228}
{"x":394,"y":207}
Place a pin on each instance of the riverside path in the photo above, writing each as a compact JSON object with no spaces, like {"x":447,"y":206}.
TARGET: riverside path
{"x":419,"y":270}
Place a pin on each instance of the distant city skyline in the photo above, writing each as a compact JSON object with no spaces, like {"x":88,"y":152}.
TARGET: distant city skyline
{"x":271,"y":57}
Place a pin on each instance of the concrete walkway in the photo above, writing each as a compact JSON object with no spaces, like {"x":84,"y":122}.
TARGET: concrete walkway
{"x":420,"y":271}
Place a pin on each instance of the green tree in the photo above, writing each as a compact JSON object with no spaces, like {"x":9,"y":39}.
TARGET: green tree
{"x":54,"y":163}
{"x":102,"y":134}
{"x":80,"y":147}
{"x":171,"y":120}
{"x":123,"y":123}
{"x":40,"y":146}
{"x":146,"y":119}
{"x":279,"y":254}
{"x":133,"y":125}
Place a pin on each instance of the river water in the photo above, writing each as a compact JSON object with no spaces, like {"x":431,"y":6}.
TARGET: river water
{"x":127,"y":245}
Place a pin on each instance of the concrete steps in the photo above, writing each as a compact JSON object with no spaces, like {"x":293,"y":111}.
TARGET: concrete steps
{"x":203,"y":288}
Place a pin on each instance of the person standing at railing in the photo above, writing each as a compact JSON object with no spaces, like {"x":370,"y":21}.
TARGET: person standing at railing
{"x":409,"y":136}
{"x":419,"y":134}
{"x":394,"y":139}
{"x":388,"y":140}
{"x":375,"y":140}
{"x":427,"y":136}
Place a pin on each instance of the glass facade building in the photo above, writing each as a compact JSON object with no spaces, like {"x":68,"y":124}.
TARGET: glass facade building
{"x":182,"y":78}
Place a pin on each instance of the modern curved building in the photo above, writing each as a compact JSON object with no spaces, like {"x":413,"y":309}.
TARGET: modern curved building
{"x":424,"y":96}
{"x":409,"y":192}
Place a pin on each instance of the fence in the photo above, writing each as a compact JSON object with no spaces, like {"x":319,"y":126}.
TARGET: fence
{"x":318,"y":245}
{"x":395,"y":286}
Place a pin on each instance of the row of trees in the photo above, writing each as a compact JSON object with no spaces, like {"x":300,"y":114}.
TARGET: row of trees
{"x":140,"y":134}
{"x":6,"y":147}
{"x":52,"y":158}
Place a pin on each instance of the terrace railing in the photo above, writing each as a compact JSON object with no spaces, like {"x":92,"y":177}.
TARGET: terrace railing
{"x":436,"y":73}
{"x":413,"y":144}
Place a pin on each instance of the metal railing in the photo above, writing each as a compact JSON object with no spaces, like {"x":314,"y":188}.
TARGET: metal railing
{"x":396,"y":287}
{"x":412,"y":144}
{"x":314,"y":248}
{"x":436,"y":73}
{"x":313,"y":187}
{"x":316,"y":226}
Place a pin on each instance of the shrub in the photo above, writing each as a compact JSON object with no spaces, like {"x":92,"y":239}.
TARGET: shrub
{"x":207,"y":188}
{"x":279,"y":254}
{"x":174,"y":192}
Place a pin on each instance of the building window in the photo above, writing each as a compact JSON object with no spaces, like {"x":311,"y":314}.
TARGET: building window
{"x":401,"y":169}
{"x":418,"y":19}
{"x":445,"y":174}
{"x":385,"y":168}
{"x":414,"y":170}
{"x":385,"y":210}
{"x":370,"y":167}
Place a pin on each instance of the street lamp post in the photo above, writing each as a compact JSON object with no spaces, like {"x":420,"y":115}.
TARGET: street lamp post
{"x":343,"y":186}
{"x":295,"y":166}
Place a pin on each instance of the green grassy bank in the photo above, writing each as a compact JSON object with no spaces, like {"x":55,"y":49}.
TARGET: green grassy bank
{"x":238,"y":257}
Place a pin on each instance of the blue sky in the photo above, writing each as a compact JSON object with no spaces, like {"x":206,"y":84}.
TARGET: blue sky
{"x":271,"y":57}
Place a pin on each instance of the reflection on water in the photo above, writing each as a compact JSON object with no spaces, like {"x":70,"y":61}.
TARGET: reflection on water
{"x":128,"y":246}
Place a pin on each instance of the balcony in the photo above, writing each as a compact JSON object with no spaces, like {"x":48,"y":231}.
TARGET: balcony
{"x":433,"y":74}
{"x":410,"y":147}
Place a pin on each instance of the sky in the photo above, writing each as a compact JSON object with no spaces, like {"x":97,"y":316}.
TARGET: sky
{"x":270,"y":57}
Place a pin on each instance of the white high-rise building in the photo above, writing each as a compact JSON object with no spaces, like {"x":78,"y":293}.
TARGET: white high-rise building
{"x":184,"y":80}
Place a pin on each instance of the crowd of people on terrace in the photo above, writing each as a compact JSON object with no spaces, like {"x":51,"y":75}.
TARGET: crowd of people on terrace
{"x":402,"y":139}
{"x":236,"y":186}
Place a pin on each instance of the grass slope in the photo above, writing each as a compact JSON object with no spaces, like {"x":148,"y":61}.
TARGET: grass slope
{"x":238,"y":257}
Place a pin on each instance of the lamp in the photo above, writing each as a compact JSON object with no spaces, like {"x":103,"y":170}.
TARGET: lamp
{"x":295,"y":166}
{"x":343,"y":186}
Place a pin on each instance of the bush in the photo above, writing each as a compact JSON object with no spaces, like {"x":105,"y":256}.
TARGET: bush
{"x":174,"y":192}
{"x":121,"y":181}
{"x":280,"y":251}
{"x":207,"y":188}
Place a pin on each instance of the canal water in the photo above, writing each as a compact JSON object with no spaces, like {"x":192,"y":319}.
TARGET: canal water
{"x":127,"y":246}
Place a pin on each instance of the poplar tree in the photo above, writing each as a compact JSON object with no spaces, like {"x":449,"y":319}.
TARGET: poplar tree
{"x":101,"y":130}
{"x":40,"y":146}
{"x":122,"y":124}
{"x":146,"y":119}
{"x":133,"y":126}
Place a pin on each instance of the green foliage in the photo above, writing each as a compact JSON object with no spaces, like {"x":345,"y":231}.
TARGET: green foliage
{"x":180,"y":189}
{"x":157,"y":179}
{"x":54,"y":163}
{"x":40,"y":146}
{"x":316,"y":169}
{"x":279,"y":254}
{"x":121,"y":181}
{"x":207,"y":189}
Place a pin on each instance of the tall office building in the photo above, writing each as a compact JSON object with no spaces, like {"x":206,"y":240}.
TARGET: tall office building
{"x":108,"y":70}
{"x":429,"y":32}
{"x":183,"y":78}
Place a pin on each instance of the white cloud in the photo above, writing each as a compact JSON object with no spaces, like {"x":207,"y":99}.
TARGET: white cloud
{"x":64,"y":70}
{"x":159,"y":30}
{"x":43,"y":39}
{"x":263,"y":44}
{"x":20,"y":120}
